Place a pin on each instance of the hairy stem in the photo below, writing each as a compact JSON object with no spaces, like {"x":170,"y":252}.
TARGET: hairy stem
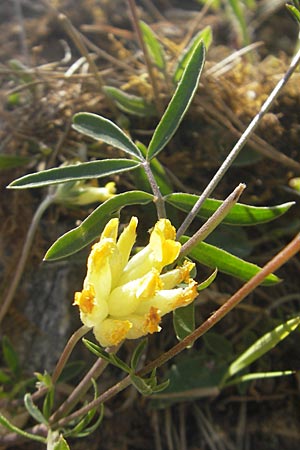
{"x":76,"y":336}
{"x":158,"y":200}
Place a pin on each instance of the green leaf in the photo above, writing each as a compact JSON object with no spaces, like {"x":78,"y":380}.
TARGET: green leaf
{"x":204,"y":35}
{"x":141,"y":385}
{"x":294,"y":11}
{"x":34,"y":410}
{"x":48,"y":403}
{"x":262,"y":346}
{"x":91,"y":227}
{"x":207,"y":282}
{"x":214,"y":257}
{"x":10,"y":356}
{"x":4,"y":377}
{"x":89,"y":430}
{"x":184,"y":321}
{"x":179,"y":103}
{"x":240,"y":214}
{"x":82,"y":171}
{"x":131,"y":104}
{"x":137,"y":354}
{"x":109,"y":357}
{"x":99,"y":128}
{"x":96,"y":350}
{"x":238,"y":12}
{"x":258,"y":376}
{"x":81,"y":429}
{"x":7,"y":424}
{"x":12,"y":161}
{"x":154,"y":48}
{"x":61,"y":444}
{"x":160,"y":387}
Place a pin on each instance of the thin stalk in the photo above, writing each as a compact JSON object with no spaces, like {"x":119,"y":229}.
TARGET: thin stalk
{"x":84,"y":385}
{"x":239,"y":145}
{"x":76,"y":336}
{"x":8,"y":298}
{"x":158,"y":198}
{"x":150,"y":68}
{"x":213,"y":221}
{"x":281,"y":258}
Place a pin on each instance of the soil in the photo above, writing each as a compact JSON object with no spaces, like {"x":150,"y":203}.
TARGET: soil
{"x":40,"y":90}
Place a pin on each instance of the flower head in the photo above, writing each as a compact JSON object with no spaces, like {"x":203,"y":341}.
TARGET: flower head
{"x":125,"y":298}
{"x":81,"y":193}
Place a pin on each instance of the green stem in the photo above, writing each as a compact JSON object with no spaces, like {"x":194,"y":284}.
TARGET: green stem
{"x":239,"y":145}
{"x":8,"y":298}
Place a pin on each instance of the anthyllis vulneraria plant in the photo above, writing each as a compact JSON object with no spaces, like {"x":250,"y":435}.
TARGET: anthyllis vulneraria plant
{"x":125,"y":299}
{"x":125,"y":292}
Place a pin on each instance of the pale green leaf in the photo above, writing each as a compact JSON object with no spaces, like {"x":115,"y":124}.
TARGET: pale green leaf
{"x":75,"y":172}
{"x":61,"y":444}
{"x":239,"y":214}
{"x":225,"y":262}
{"x":262,"y":346}
{"x":99,"y":128}
{"x":34,"y":410}
{"x":12,"y":161}
{"x":204,"y":35}
{"x":154,"y":48}
{"x":11,"y":427}
{"x":179,"y":103}
{"x":294,"y":11}
{"x":184,"y":321}
{"x":92,"y":226}
{"x":258,"y":376}
{"x":129,"y":103}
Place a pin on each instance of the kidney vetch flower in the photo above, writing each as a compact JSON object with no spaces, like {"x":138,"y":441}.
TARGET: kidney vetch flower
{"x":125,"y":298}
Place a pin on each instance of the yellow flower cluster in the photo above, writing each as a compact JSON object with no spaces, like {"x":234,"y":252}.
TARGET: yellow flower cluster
{"x":125,"y":298}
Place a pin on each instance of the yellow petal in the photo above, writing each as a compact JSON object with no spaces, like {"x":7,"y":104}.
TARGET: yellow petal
{"x":168,"y":300}
{"x":92,"y":311}
{"x":152,"y":320}
{"x":85,"y":300}
{"x":120,"y":254}
{"x":161,"y":251}
{"x":144,"y":324}
{"x":163,"y":244}
{"x":111,"y":230}
{"x":174,"y":277}
{"x":126,"y":241}
{"x":99,"y":271}
{"x":112,"y":331}
{"x":124,"y":299}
